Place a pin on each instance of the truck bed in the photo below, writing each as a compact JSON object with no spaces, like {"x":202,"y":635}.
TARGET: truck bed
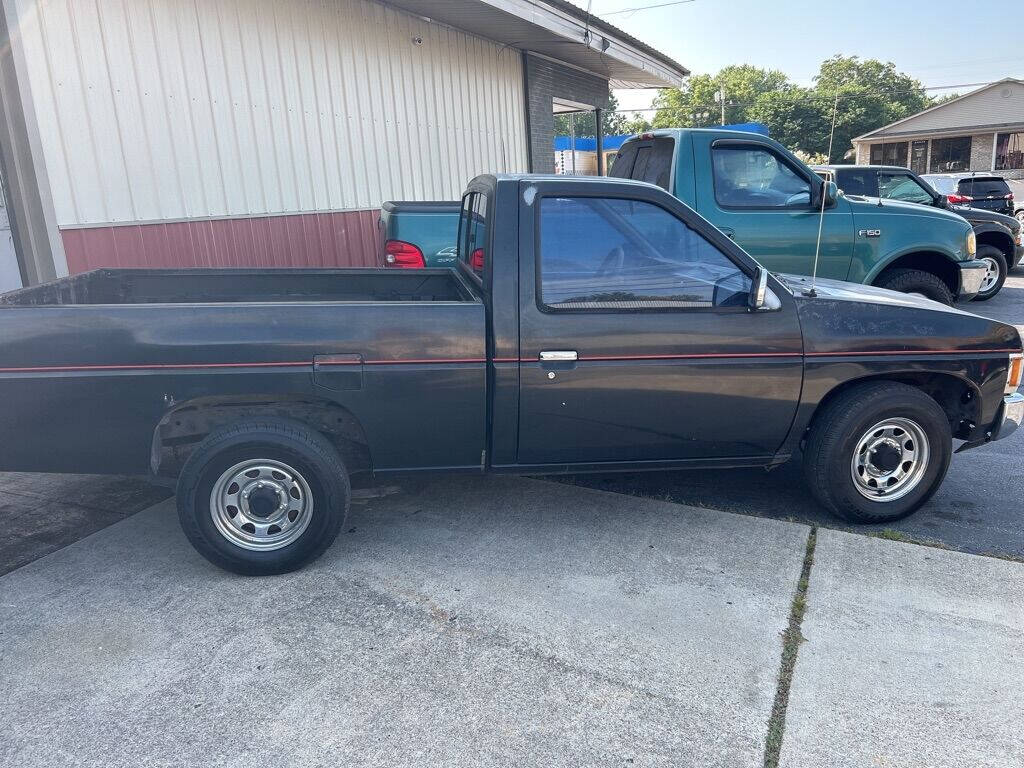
{"x":216,"y":286}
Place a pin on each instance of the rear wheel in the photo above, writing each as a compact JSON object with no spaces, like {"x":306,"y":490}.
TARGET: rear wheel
{"x":918,"y":282}
{"x":263,"y":497}
{"x":877,"y":452}
{"x":995,"y":271}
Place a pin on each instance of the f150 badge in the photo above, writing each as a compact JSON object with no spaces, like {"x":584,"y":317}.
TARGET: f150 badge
{"x":870,"y":232}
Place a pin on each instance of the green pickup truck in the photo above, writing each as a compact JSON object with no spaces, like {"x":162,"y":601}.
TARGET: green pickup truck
{"x":758,"y":193}
{"x":762,"y":196}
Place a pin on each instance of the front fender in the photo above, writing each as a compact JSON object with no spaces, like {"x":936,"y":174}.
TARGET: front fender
{"x":884,"y":234}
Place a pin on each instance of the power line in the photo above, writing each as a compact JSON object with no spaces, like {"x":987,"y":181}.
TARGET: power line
{"x":645,"y":7}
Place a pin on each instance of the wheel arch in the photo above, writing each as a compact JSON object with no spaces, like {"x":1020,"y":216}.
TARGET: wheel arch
{"x":934,"y":262}
{"x":186,"y":424}
{"x":959,"y":398}
{"x":1000,"y":239}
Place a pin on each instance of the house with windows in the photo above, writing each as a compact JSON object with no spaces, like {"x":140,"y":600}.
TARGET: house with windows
{"x":980,"y":131}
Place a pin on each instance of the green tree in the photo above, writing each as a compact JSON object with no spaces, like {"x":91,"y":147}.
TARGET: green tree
{"x":871,"y":94}
{"x":635,"y":124}
{"x":694,"y":105}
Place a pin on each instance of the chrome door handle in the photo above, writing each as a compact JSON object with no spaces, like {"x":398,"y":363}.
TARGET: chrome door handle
{"x":559,"y":356}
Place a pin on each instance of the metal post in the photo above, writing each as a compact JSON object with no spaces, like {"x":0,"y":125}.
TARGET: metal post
{"x":572,"y":140}
{"x":599,"y":130}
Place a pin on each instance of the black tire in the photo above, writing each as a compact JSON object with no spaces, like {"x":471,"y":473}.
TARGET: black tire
{"x":993,"y":253}
{"x":917,"y":281}
{"x":277,"y":440}
{"x":839,"y":427}
{"x":1020,"y":215}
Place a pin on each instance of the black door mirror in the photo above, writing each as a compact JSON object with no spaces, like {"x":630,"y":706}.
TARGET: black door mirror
{"x":758,"y":289}
{"x":827,"y":193}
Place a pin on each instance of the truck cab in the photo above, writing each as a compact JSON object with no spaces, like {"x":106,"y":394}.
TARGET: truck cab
{"x":762,"y":196}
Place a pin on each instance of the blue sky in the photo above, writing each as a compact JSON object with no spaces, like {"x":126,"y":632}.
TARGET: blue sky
{"x":939,"y":42}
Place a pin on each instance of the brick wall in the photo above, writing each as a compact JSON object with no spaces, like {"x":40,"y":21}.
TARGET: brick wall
{"x":981,"y":151}
{"x":546,"y":80}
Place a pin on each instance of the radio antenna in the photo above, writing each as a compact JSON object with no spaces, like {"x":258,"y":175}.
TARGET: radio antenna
{"x":824,"y":184}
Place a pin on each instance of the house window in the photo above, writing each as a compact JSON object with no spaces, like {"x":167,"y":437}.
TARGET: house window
{"x":889,"y":154}
{"x":950,"y":155}
{"x":1010,"y":152}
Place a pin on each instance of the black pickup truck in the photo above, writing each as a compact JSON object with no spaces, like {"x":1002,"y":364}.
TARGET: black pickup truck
{"x":589,"y":325}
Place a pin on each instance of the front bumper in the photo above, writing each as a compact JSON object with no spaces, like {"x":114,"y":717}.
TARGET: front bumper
{"x":972,"y":274}
{"x":1010,"y":416}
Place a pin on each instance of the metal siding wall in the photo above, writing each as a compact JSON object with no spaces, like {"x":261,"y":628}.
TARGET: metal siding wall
{"x":166,"y":109}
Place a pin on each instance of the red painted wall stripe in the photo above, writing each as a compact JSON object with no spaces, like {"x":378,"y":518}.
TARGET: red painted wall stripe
{"x":339,"y":239}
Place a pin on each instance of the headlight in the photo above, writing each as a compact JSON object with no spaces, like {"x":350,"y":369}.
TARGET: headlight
{"x":1013,"y":374}
{"x":972,"y":244}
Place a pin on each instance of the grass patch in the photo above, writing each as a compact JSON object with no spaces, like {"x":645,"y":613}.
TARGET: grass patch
{"x":791,"y":639}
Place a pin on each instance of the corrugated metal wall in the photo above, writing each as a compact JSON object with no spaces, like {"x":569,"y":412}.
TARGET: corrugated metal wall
{"x":151,"y":110}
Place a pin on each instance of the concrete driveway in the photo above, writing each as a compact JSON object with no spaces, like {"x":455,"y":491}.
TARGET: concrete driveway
{"x":515,"y":622}
{"x":475,"y":622}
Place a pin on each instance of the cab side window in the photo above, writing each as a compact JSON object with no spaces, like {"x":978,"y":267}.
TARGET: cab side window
{"x":615,"y":254}
{"x":755,"y":177}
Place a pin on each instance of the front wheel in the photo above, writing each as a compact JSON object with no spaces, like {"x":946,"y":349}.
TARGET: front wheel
{"x":918,"y":282}
{"x":877,"y":452}
{"x":263,"y":497}
{"x":995,"y":271}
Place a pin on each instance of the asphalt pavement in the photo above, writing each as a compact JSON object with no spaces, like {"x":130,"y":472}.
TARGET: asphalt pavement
{"x":978,"y":508}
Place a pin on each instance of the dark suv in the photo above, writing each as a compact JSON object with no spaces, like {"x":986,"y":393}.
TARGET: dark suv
{"x":1000,"y":238}
{"x":978,"y":190}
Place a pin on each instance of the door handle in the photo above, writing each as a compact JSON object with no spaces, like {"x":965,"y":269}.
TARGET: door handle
{"x":559,"y":356}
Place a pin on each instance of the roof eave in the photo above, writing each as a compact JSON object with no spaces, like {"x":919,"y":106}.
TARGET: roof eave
{"x":560,"y":31}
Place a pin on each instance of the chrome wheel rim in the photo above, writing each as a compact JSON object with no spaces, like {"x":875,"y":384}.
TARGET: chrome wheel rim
{"x":261,"y":504}
{"x":991,"y":274}
{"x":890,"y":460}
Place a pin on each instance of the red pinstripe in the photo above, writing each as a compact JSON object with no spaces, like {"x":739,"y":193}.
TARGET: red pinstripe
{"x":456,"y":360}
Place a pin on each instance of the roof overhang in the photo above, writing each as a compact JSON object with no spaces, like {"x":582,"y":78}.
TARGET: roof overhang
{"x":960,"y":130}
{"x":559,"y":30}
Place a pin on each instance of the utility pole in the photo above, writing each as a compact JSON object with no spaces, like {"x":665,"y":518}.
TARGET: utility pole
{"x":721,"y":100}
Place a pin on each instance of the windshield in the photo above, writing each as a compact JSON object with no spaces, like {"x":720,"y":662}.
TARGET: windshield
{"x":942,"y":184}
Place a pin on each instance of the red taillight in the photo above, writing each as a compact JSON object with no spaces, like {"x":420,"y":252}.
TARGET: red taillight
{"x":476,"y":260}
{"x":403,"y":255}
{"x":960,"y":199}
{"x":1010,"y":196}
